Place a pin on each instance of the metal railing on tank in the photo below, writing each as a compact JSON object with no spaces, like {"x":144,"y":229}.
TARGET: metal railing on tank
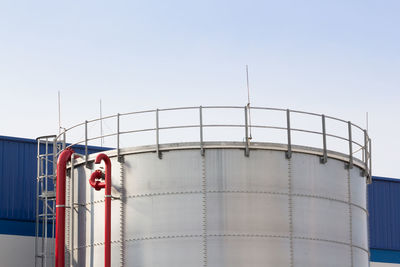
{"x":352,"y":136}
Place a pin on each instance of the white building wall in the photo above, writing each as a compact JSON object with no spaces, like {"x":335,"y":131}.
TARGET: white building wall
{"x":17,"y":251}
{"x":381,"y":264}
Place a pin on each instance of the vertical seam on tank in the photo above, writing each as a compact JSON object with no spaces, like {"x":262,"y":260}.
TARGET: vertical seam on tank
{"x":122,"y":214}
{"x":290,"y":206}
{"x":350,"y":217}
{"x":204,"y":200}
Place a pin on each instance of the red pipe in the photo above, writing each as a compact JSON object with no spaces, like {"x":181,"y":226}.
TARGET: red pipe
{"x":107,"y":185}
{"x":64,"y":157}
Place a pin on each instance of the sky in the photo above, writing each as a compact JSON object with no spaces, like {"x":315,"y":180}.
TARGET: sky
{"x":339,"y":58}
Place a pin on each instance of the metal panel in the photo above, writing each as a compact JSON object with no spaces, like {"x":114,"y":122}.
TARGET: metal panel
{"x":360,"y":257}
{"x":229,"y":171}
{"x":319,"y":253}
{"x":163,"y":252}
{"x":313,"y":178}
{"x":248,"y":251}
{"x":360,"y":235}
{"x":321,"y":219}
{"x":240,"y":213}
{"x":172,"y":174}
{"x":358,"y":189}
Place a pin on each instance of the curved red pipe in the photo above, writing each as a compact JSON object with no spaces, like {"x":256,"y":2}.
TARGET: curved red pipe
{"x":64,"y":157}
{"x":107,"y":185}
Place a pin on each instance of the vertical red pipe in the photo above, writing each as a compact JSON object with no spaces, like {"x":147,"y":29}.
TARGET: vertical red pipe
{"x":64,"y":157}
{"x":107,"y":185}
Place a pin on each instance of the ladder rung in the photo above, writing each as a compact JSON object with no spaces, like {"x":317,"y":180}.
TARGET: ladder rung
{"x":44,"y":155}
{"x":44,"y":176}
{"x":47,"y":215}
{"x":48,"y":194}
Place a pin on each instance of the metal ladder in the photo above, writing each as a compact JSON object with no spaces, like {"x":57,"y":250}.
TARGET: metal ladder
{"x":47,"y":152}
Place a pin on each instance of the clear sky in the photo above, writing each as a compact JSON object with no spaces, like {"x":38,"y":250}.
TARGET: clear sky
{"x":338,"y":57}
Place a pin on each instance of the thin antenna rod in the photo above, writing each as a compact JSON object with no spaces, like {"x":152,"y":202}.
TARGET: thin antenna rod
{"x":248,"y":98}
{"x":59,"y":112}
{"x":248,"y":85}
{"x":101,"y":125}
{"x":366,"y":118}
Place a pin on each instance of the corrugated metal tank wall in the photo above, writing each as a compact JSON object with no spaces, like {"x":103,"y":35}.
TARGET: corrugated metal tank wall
{"x":225,"y":209}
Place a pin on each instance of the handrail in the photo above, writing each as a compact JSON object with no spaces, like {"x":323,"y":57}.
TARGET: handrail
{"x":363,"y":141}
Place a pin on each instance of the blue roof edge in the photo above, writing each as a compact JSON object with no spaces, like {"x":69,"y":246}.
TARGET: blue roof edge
{"x":33,"y":141}
{"x":380,"y":178}
{"x":17,"y":139}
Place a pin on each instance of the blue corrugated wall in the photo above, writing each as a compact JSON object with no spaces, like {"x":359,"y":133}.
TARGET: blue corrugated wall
{"x":18,"y":184}
{"x":384,"y":213}
{"x":17,"y":179}
{"x":384,"y":219}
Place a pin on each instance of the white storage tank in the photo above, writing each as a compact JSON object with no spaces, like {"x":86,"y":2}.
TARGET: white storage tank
{"x":221,"y":206}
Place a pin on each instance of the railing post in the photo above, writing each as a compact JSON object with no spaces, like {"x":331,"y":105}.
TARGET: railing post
{"x":158,"y":136}
{"x":118,"y":130}
{"x":54,"y":159}
{"x":366,"y":153}
{"x":86,"y":144}
{"x":370,"y":161}
{"x":64,"y":143}
{"x":324,"y":158}
{"x":246,"y":152}
{"x":350,"y":166}
{"x":201,"y":131}
{"x":289,"y":138}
